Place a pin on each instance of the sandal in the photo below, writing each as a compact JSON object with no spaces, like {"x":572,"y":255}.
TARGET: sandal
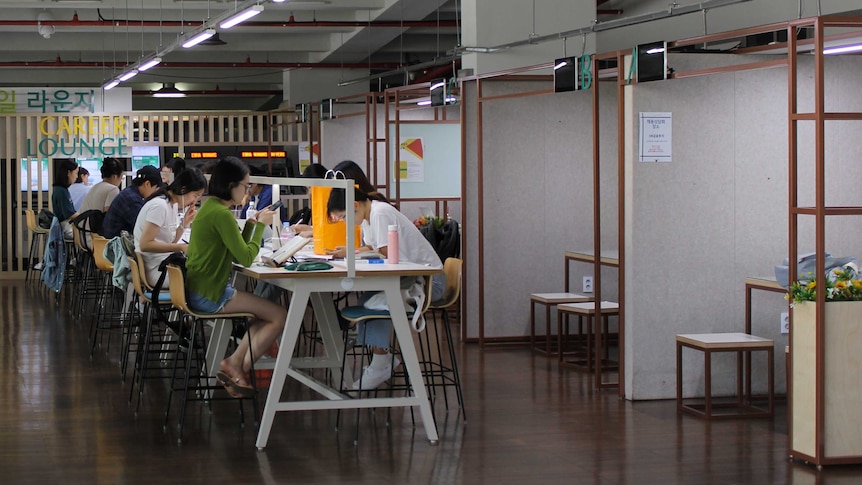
{"x":233,"y":387}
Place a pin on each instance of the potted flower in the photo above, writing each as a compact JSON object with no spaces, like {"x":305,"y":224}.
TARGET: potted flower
{"x":825,"y":368}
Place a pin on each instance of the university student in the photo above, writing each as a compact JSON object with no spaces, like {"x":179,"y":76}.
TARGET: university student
{"x":173,"y":168}
{"x":79,"y":189}
{"x":65,"y":174}
{"x":216,"y":243}
{"x":123,"y":213}
{"x":351,"y":170}
{"x":412,"y":248}
{"x":104,"y":192}
{"x":158,"y":228}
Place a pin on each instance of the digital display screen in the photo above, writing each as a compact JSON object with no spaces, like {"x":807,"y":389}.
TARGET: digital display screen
{"x":142,"y":156}
{"x":37,"y":168}
{"x":438,"y":92}
{"x":652,"y":62}
{"x":565,"y":74}
{"x":326,"y":109}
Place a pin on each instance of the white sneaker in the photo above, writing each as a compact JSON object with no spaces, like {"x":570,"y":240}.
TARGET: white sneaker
{"x":373,"y":377}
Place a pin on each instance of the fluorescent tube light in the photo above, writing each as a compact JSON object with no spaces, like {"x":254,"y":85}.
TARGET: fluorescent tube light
{"x":843,"y":49}
{"x":155,"y":61}
{"x":561,"y":65}
{"x":438,"y":85}
{"x":241,"y":16}
{"x":113,"y":83}
{"x":128,"y":75}
{"x":199,"y":37}
{"x":656,"y":50}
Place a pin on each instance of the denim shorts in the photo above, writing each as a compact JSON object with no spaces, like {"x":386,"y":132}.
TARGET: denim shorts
{"x":203,"y":304}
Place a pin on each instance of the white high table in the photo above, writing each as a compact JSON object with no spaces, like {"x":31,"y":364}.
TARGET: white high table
{"x":317,"y":286}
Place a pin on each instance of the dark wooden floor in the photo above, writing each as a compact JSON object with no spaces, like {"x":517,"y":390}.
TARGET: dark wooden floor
{"x":65,"y":419}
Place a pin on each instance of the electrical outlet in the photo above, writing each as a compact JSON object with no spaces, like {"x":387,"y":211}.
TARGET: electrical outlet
{"x":785,"y":322}
{"x":588,"y":284}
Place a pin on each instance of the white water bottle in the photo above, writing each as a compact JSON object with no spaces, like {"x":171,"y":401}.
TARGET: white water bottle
{"x":392,"y":244}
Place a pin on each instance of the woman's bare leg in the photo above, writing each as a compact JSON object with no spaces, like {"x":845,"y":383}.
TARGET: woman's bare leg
{"x":264,"y":330}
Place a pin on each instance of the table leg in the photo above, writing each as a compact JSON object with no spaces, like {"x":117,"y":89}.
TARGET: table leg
{"x":707,"y":371}
{"x":532,"y":324}
{"x":739,"y":397}
{"x":748,"y":289}
{"x":678,"y":377}
{"x":295,"y":314}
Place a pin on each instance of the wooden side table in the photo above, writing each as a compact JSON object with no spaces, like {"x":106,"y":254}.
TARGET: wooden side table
{"x":549,"y":300}
{"x":596,"y":347}
{"x":725,"y":342}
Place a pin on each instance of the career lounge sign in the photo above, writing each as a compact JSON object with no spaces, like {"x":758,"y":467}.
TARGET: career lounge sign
{"x":79,"y":137}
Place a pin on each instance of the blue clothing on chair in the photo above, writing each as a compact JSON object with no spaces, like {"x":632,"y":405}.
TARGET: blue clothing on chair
{"x":54,"y":269}
{"x":377,"y":333}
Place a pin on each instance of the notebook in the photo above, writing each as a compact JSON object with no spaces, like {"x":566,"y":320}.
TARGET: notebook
{"x":286,"y":251}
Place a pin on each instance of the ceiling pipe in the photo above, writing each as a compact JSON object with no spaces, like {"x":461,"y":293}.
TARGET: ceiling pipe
{"x":155,"y":24}
{"x":216,"y":92}
{"x":212,"y":65}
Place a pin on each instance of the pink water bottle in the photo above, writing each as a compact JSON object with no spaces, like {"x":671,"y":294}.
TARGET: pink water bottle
{"x":392,"y":245}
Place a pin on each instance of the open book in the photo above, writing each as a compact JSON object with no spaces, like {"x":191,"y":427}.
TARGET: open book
{"x":286,"y":251}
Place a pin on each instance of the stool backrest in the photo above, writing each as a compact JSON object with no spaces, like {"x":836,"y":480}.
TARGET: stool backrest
{"x":452,"y":268}
{"x":142,"y":268}
{"x":178,"y":289}
{"x":30,"y":216}
{"x":136,"y":278}
{"x":99,"y":243}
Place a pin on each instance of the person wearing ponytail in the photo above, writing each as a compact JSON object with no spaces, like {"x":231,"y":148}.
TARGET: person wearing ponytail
{"x":159,"y":228}
{"x":412,"y":248}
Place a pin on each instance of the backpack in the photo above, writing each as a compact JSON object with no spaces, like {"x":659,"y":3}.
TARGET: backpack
{"x":44,"y":218}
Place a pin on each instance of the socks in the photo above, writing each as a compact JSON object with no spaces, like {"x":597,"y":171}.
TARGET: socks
{"x":380,"y":361}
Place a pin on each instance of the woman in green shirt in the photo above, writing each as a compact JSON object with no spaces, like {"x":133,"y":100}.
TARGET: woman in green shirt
{"x":216,"y":243}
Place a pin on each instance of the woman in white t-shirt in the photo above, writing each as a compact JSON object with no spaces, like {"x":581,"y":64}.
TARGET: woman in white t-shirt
{"x":412,"y":248}
{"x":159,"y":228}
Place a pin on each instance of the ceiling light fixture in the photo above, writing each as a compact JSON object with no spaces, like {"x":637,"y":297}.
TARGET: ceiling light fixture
{"x":241,"y":17}
{"x":155,"y":61}
{"x":842,"y":49}
{"x":128,"y":75}
{"x":111,"y":85}
{"x":199,"y":37}
{"x":168,"y":90}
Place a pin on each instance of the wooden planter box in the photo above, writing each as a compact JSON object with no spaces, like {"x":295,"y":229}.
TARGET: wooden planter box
{"x":826,"y":384}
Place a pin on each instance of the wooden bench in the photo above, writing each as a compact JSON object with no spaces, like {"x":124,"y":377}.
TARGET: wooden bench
{"x":741,"y":343}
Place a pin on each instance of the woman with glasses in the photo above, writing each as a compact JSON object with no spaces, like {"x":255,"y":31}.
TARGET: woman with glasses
{"x":216,"y":243}
{"x":159,"y":228}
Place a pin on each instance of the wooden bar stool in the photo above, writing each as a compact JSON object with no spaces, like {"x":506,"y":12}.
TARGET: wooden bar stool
{"x":725,"y":342}
{"x":38,"y":239}
{"x":549,"y":300}
{"x":597,"y":353}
